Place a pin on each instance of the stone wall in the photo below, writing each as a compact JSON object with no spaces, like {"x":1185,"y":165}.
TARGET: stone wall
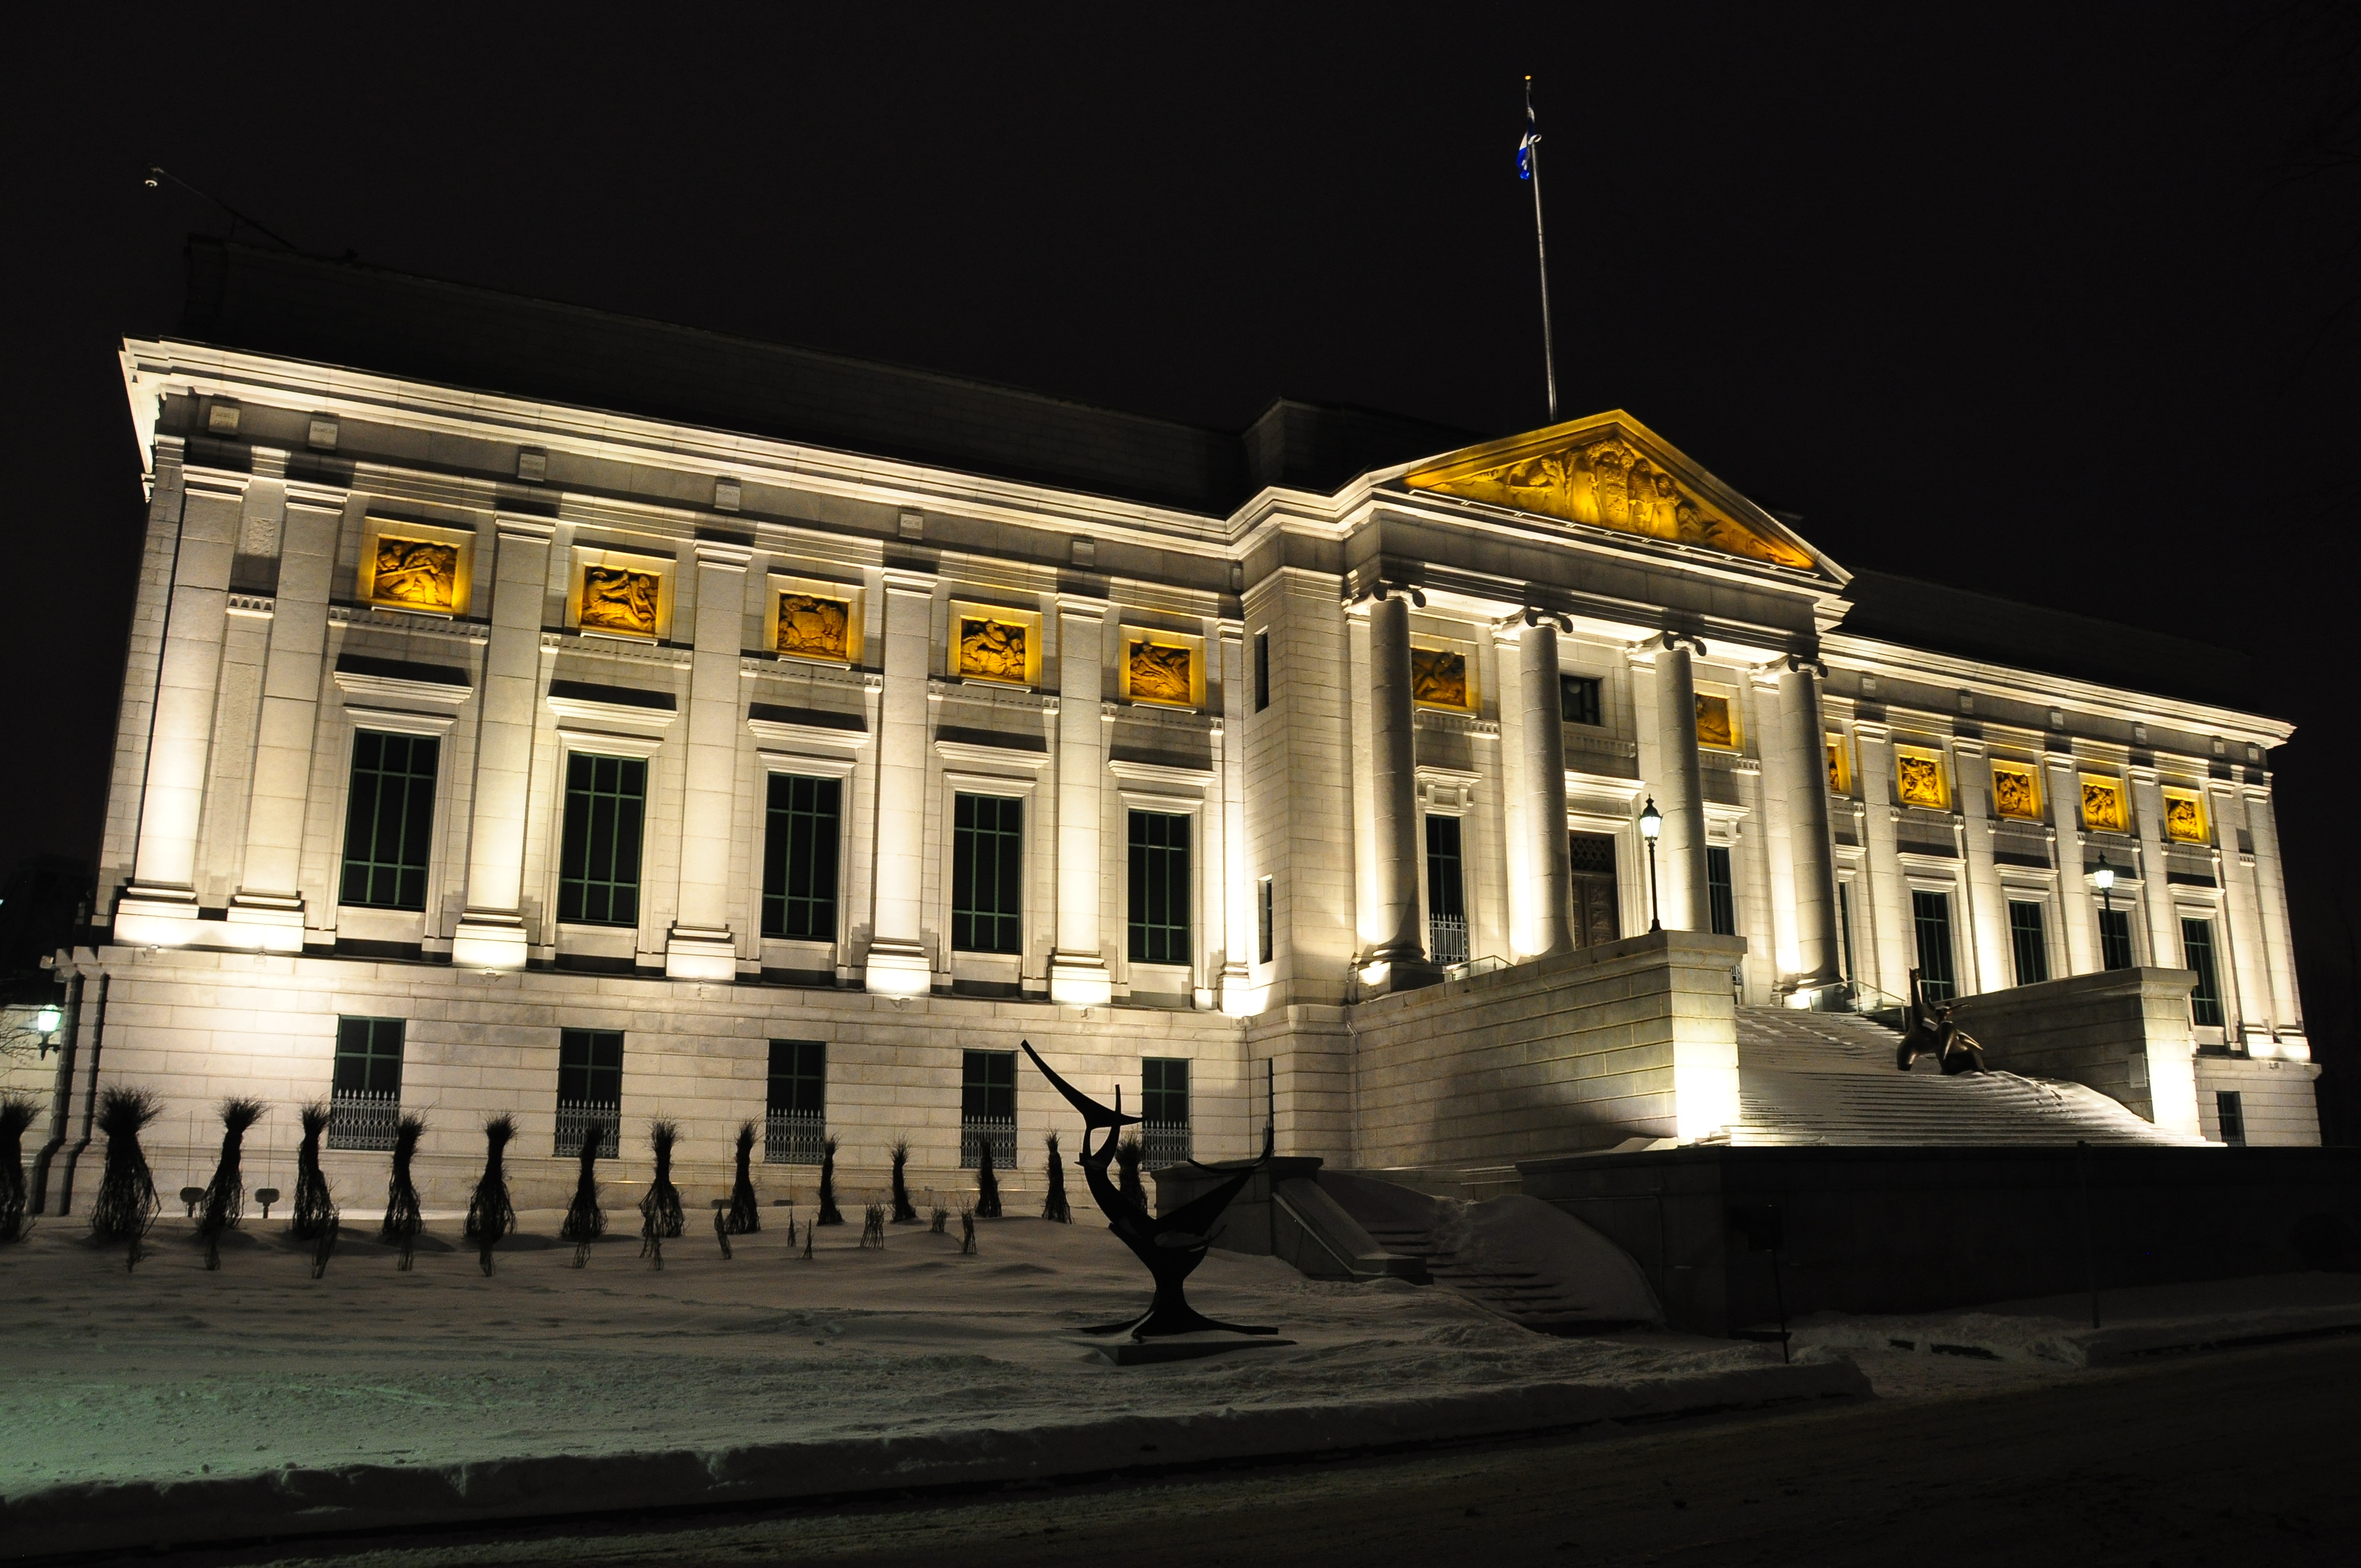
{"x":2124,"y":1033}
{"x":1635,"y":1039}
{"x":2275,"y":1097}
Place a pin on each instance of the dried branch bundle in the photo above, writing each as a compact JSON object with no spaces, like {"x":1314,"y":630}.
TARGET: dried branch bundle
{"x":315,"y":1210}
{"x":1054,"y":1207}
{"x":745,"y":1213}
{"x":17,"y":1113}
{"x":660,"y":1213}
{"x":1129,"y":1154}
{"x":904,"y":1213}
{"x":402,"y":1219}
{"x":226,"y":1193}
{"x":125,"y":1205}
{"x":828,"y":1212}
{"x":987,"y":1185}
{"x":585,"y":1221}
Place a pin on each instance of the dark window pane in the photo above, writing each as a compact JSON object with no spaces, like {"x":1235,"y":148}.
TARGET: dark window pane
{"x":2206,"y":1001}
{"x":369,"y":1056}
{"x":1262,"y":671}
{"x":987,"y":1084}
{"x":1164,"y":1089}
{"x":1721,"y":896}
{"x":1263,"y":920}
{"x":2233,"y":1113}
{"x":1159,"y":888}
{"x":2028,"y":942}
{"x":1931,"y":916}
{"x":987,"y":874}
{"x":599,"y":862}
{"x":590,"y":1067}
{"x":2115,"y":938}
{"x":799,"y":858}
{"x":1577,"y":699}
{"x":389,"y":820}
{"x":798,"y":1078}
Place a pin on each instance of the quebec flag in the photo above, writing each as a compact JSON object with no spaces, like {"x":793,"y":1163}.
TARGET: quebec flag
{"x":1525,"y":147}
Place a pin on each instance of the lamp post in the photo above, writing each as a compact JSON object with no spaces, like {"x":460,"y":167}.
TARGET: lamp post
{"x":46,"y":1021}
{"x":2104,"y":877}
{"x":1651,"y":823}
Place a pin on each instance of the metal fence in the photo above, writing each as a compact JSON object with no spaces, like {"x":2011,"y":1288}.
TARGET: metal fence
{"x":575,"y":1118}
{"x":1446,"y":938}
{"x":1000,"y":1130}
{"x":793,"y":1137}
{"x":1166,"y":1143}
{"x":363,"y":1119}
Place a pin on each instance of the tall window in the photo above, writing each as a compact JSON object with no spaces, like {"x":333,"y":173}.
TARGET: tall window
{"x":987,"y":874}
{"x":1262,"y":671}
{"x":598,"y":864}
{"x":1447,"y":892}
{"x":1164,"y":1105}
{"x":1931,"y":915}
{"x":795,"y":1111}
{"x":1262,"y":920}
{"x":988,"y":1108}
{"x":389,"y":820}
{"x":2232,"y":1114}
{"x":799,"y":858}
{"x":2115,"y":938}
{"x":2028,"y":942}
{"x":1577,"y":698}
{"x":364,"y":1096}
{"x":2206,"y":1001}
{"x":1844,"y":925}
{"x":589,"y":1088}
{"x":1721,"y":898}
{"x":1159,"y":887}
{"x":1597,"y":908}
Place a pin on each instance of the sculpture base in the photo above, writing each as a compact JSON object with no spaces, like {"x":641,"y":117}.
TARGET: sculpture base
{"x":1157,"y":1352}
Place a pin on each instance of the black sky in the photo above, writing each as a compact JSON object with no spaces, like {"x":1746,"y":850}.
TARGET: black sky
{"x":2060,"y":302}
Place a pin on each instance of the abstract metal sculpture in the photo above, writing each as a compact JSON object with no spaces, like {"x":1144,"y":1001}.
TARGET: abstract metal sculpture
{"x":1171,"y":1247}
{"x":1932,"y":1033}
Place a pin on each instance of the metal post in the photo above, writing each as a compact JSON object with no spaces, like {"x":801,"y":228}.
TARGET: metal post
{"x":1541,"y":247}
{"x":1654,"y":922}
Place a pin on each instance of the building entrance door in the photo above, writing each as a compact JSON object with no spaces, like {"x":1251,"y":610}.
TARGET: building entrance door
{"x":1597,"y":913}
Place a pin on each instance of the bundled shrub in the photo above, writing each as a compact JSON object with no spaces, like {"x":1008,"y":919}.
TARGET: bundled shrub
{"x":226,"y":1193}
{"x":585,"y":1221}
{"x":1054,"y":1207}
{"x":125,"y":1205}
{"x":17,"y":1113}
{"x":745,"y":1214}
{"x":937,"y":1218}
{"x":1129,"y":1154}
{"x":402,"y":1219}
{"x":872,"y":1226}
{"x":491,"y":1213}
{"x":659,"y":1212}
{"x":987,"y":1184}
{"x":903,"y":1214}
{"x":721,"y":1232}
{"x":314,"y":1208}
{"x":324,"y":1244}
{"x":967,"y":1233}
{"x":828,"y":1212}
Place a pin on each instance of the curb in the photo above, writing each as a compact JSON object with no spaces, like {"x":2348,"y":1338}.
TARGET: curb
{"x":115,"y":1517}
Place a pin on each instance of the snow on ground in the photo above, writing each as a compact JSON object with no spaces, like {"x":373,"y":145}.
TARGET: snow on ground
{"x":169,"y":1373}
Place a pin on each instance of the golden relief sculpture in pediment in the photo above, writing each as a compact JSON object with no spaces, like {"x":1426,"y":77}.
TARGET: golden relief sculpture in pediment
{"x":1607,"y":483}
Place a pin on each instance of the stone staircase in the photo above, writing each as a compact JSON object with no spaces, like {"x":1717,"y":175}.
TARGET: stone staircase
{"x":1828,"y":1078}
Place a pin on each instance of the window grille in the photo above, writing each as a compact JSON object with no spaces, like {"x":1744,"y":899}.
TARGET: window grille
{"x":1447,"y":892}
{"x":590,"y":1089}
{"x":1159,"y":888}
{"x":598,"y":864}
{"x":388,"y":820}
{"x":575,"y":1118}
{"x":799,"y":849}
{"x":795,"y":1112}
{"x":1164,"y":1110}
{"x":987,"y":874}
{"x":363,"y":1118}
{"x":364,"y":1096}
{"x":988,"y":1108}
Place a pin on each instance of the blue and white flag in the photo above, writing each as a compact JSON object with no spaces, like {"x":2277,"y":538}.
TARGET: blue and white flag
{"x":1525,"y":147}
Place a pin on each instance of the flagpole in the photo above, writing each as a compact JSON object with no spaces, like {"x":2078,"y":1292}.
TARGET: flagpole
{"x":1541,"y":248}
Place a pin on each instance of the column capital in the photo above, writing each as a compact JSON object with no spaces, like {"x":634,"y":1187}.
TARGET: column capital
{"x":527,"y":530}
{"x":317,"y":497}
{"x":1507,"y":627}
{"x":1082,"y":607}
{"x":1380,"y":592}
{"x":1969,"y":745}
{"x":1873,"y":731}
{"x":724,"y":555}
{"x":1667,"y":641}
{"x":902,"y":580}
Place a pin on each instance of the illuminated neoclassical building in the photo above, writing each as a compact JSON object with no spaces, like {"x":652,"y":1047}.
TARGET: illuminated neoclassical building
{"x":540,"y":711}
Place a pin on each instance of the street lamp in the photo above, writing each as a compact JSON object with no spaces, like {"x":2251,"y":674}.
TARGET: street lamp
{"x":46,"y":1021}
{"x":2103,"y":878}
{"x":1651,"y":823}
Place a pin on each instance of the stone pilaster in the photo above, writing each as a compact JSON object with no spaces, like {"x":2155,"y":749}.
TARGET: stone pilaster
{"x":491,"y":931}
{"x":701,"y":945}
{"x":1077,"y":970}
{"x":270,"y":896}
{"x":2271,"y":903}
{"x":1235,"y":983}
{"x":1891,"y":947}
{"x":157,"y":908}
{"x":2156,"y":892}
{"x":2062,"y":776}
{"x":1396,"y":940}
{"x":1811,"y":853}
{"x":1987,"y":906}
{"x":1541,"y":746}
{"x":897,"y":963}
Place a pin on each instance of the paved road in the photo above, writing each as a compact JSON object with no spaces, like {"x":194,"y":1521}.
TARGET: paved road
{"x":2241,"y":1457}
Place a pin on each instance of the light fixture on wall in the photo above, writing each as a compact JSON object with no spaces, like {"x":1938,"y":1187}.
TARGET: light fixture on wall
{"x":1651,"y":824}
{"x":46,"y":1024}
{"x":2104,"y":878}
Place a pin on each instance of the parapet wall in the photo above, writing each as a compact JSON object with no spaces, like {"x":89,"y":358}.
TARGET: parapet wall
{"x":2124,"y":1033}
{"x":1635,"y":1039}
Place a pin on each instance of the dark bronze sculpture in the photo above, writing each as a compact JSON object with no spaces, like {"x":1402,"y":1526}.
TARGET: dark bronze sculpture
{"x":1932,"y":1033}
{"x":1171,"y":1246}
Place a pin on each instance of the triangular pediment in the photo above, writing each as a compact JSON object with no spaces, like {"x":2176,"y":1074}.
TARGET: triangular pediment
{"x":1610,"y":471}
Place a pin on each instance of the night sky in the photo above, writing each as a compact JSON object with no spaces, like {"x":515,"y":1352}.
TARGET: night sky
{"x":2063,"y":303}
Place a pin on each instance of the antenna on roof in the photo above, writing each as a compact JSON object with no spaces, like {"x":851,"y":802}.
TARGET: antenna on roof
{"x":157,"y":174}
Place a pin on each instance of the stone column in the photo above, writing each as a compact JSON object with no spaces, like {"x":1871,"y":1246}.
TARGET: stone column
{"x":1893,"y":948}
{"x":2249,"y":970}
{"x":1238,"y":927}
{"x":701,"y":944}
{"x":1679,"y":789}
{"x":161,"y":899}
{"x":491,"y":931}
{"x":2270,"y":901}
{"x":1078,"y":970}
{"x":270,"y":896}
{"x":898,"y":952}
{"x":1396,"y":938}
{"x":1541,"y":746}
{"x":2156,"y":891}
{"x":2065,"y":786}
{"x":1987,"y":907}
{"x":1811,"y":852}
{"x":1773,"y":840}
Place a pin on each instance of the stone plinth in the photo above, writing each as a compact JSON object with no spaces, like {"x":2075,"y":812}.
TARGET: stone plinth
{"x":2124,"y":1033}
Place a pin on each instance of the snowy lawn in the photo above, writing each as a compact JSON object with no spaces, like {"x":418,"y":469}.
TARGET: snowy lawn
{"x":169,"y":1372}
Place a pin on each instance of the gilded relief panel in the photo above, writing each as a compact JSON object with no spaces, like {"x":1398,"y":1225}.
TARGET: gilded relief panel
{"x":1443,"y":675}
{"x":1919,"y":777}
{"x":1605,"y":483}
{"x":1163,"y":667}
{"x":804,"y":618}
{"x":619,"y":592}
{"x":2184,"y":817}
{"x":1717,"y":724}
{"x":2016,"y":792}
{"x":415,"y":566}
{"x":1839,"y":766}
{"x":2103,"y":805}
{"x":988,"y":643}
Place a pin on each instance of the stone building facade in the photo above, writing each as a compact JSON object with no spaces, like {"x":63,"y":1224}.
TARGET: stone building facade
{"x":500,"y":752}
